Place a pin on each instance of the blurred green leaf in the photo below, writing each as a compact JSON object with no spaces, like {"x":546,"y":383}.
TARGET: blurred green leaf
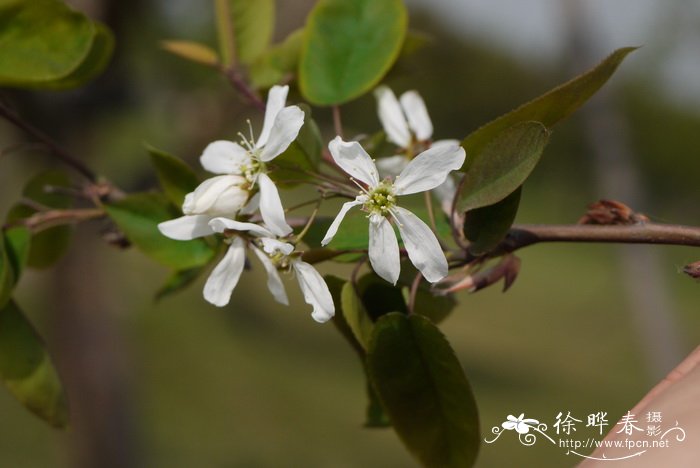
{"x":486,"y":227}
{"x":41,"y":41}
{"x":422,"y":386}
{"x":17,"y":244}
{"x":192,"y":51}
{"x":253,"y":25}
{"x":550,"y":108}
{"x":26,"y":369}
{"x":138,"y":216}
{"x":502,"y":166}
{"x":301,"y":157}
{"x":176,"y":178}
{"x":375,"y":414}
{"x":356,"y":316}
{"x":49,"y":245}
{"x":278,"y":62}
{"x":348,"y":47}
{"x":96,"y":61}
{"x":7,"y":281}
{"x":177,"y":281}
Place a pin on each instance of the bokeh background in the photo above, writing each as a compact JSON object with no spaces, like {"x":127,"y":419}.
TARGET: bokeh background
{"x":586,"y":328}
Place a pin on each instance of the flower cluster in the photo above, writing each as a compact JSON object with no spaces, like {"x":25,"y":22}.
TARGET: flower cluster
{"x":225,"y":203}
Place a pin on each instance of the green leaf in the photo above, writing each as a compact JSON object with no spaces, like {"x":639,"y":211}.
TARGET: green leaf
{"x":176,"y":178}
{"x":348,"y":47}
{"x":375,"y":414}
{"x":422,"y":386}
{"x":550,"y":108}
{"x":192,"y":51}
{"x":253,"y":25}
{"x":138,"y":216}
{"x":177,"y":281}
{"x":302,"y":156}
{"x":486,"y":227}
{"x":277,"y":63}
{"x":49,"y":245}
{"x":356,"y":316}
{"x":96,"y":61}
{"x":41,"y":41}
{"x":502,"y":166}
{"x":26,"y":368}
{"x":17,"y":244}
{"x":7,"y":278}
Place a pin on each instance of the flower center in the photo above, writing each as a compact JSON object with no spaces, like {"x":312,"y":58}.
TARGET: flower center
{"x":254,"y":166}
{"x":380,"y":199}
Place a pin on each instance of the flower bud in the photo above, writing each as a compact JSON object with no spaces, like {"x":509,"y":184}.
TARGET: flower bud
{"x":218,"y":196}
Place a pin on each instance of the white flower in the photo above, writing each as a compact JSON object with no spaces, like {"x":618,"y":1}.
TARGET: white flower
{"x":425,"y":172}
{"x":408,"y":125}
{"x":280,"y":128}
{"x":521,"y":425}
{"x":273,"y":254}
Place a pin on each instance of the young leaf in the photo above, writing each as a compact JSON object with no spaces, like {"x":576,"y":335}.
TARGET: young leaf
{"x":356,"y":316}
{"x":422,"y":386}
{"x":502,"y":166}
{"x":348,"y":47}
{"x":253,"y":25}
{"x":7,"y":281}
{"x":192,"y":51}
{"x":41,"y":41}
{"x":138,"y":216}
{"x":548,"y":109}
{"x":177,"y":281}
{"x":175,"y":177}
{"x":96,"y":61}
{"x":486,"y":227}
{"x":17,"y":244}
{"x":26,"y":368}
{"x":278,"y":62}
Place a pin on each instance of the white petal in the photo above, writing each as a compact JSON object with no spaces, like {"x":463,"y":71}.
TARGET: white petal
{"x":220,"y":195}
{"x":354,"y":160}
{"x":274,"y":282}
{"x":186,"y":227}
{"x":252,"y":206}
{"x":446,"y":193}
{"x":276,"y":99}
{"x":315,"y":291}
{"x":392,"y":118}
{"x":417,"y":115}
{"x":273,"y":246}
{"x":384,"y":249}
{"x":225,"y":276}
{"x":391,"y":166}
{"x":271,"y":208}
{"x":284,"y":131}
{"x":333,"y":228}
{"x":423,"y":248}
{"x":222,"y":224}
{"x":429,"y":169}
{"x":224,"y":157}
{"x":446,"y":142}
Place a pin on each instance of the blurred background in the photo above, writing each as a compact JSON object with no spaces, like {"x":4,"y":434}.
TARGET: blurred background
{"x":586,"y":328}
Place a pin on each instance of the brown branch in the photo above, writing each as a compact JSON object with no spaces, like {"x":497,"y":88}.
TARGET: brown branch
{"x":48,"y":219}
{"x":53,"y":147}
{"x":647,"y":233}
{"x":239,"y":83}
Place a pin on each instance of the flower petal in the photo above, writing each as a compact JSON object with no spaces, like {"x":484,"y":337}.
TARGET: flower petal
{"x":276,"y":99}
{"x":417,"y":115}
{"x":446,"y":192}
{"x":284,"y":131}
{"x":274,"y":282}
{"x":222,"y":224}
{"x":271,"y":208}
{"x":220,"y":195}
{"x":252,"y":205}
{"x":224,"y":157}
{"x":354,"y":160}
{"x":273,"y":246}
{"x":315,"y":291}
{"x":392,"y":118}
{"x":219,"y":286}
{"x":186,"y":227}
{"x":423,"y":248}
{"x":333,"y":228}
{"x":429,"y":169}
{"x":384,"y":249}
{"x":391,"y":166}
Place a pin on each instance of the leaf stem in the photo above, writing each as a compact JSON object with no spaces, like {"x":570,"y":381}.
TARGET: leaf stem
{"x":337,"y":121}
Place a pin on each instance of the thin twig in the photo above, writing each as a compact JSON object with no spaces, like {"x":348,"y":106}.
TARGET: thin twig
{"x":337,"y":121}
{"x":48,"y":142}
{"x":241,"y":85}
{"x":414,"y":292}
{"x":48,"y":219}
